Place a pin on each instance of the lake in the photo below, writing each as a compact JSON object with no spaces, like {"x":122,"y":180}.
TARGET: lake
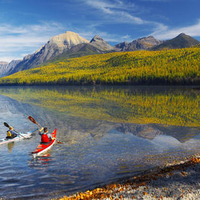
{"x":107,"y":133}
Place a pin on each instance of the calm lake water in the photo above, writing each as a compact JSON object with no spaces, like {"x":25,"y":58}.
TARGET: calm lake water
{"x":107,"y":133}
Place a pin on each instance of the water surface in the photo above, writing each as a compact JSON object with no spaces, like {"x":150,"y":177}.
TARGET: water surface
{"x":108,"y":133}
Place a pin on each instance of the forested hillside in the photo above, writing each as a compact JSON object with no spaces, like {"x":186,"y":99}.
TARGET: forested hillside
{"x":178,"y":66}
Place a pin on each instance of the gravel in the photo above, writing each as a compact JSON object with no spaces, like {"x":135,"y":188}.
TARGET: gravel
{"x":180,"y":181}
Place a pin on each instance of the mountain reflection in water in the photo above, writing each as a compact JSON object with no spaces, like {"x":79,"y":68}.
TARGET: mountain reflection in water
{"x":107,"y":134}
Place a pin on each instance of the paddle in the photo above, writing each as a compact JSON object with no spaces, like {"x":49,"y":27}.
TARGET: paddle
{"x":35,"y":122}
{"x":6,"y":124}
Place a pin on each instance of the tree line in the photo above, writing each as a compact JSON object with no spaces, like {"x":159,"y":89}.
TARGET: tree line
{"x":177,"y":66}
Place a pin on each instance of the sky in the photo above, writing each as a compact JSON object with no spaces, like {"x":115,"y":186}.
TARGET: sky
{"x":26,"y":25}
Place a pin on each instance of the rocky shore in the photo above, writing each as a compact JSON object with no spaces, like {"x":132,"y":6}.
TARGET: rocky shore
{"x":179,"y":181}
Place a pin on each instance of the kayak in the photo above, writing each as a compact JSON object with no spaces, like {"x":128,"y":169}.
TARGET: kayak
{"x":20,"y":136}
{"x":42,"y":147}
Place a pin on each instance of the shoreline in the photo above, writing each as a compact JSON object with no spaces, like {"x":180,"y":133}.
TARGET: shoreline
{"x":178,"y":181}
{"x":145,"y":83}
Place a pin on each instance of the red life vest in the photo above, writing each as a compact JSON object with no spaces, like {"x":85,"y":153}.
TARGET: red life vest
{"x":44,"y":138}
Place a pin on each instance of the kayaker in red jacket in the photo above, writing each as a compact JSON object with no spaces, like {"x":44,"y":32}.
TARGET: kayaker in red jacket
{"x":45,"y":136}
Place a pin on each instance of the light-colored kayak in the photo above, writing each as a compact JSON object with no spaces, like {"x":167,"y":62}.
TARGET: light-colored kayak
{"x":43,"y":148}
{"x":20,"y":136}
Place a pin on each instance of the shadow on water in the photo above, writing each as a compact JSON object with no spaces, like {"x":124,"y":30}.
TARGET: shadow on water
{"x":107,"y":133}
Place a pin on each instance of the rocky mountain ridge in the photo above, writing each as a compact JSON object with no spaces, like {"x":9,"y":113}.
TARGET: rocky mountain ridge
{"x":181,"y":41}
{"x":70,"y":44}
{"x":55,"y":46}
{"x":5,"y":67}
{"x":101,"y":44}
{"x":139,"y":44}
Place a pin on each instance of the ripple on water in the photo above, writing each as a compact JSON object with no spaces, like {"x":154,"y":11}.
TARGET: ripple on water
{"x":94,"y":152}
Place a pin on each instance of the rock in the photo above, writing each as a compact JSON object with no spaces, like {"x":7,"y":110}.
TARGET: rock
{"x":55,"y":46}
{"x":101,"y":44}
{"x":139,"y":44}
{"x":5,"y":67}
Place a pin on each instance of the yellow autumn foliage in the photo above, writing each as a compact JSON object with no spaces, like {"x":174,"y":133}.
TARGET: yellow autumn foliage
{"x":177,"y":66}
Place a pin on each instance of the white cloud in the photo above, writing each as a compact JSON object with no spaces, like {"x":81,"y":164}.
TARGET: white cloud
{"x":166,"y":33}
{"x":117,"y":10}
{"x":126,"y":37}
{"x":114,"y":38}
{"x":16,"y":41}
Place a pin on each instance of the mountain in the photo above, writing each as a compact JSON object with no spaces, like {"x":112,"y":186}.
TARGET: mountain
{"x":55,"y":46}
{"x":96,"y":46}
{"x":122,"y":46}
{"x":5,"y":67}
{"x":70,"y":45}
{"x":139,"y":44}
{"x":78,"y":51}
{"x":101,"y":44}
{"x":181,"y":41}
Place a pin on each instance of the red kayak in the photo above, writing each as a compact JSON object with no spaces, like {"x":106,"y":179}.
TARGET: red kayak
{"x":42,"y":148}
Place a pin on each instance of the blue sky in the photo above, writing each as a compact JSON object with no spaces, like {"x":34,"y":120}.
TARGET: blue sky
{"x":25,"y":25}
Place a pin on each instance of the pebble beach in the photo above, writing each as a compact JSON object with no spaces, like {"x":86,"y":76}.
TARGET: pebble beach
{"x":178,"y":181}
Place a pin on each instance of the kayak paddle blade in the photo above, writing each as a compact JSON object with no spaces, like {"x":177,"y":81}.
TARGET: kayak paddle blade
{"x":5,"y":124}
{"x":32,"y":119}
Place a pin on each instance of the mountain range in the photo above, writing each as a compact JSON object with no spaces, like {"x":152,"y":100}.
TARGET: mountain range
{"x":139,"y":44}
{"x":70,"y":44}
{"x":179,"y":42}
{"x":5,"y":67}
